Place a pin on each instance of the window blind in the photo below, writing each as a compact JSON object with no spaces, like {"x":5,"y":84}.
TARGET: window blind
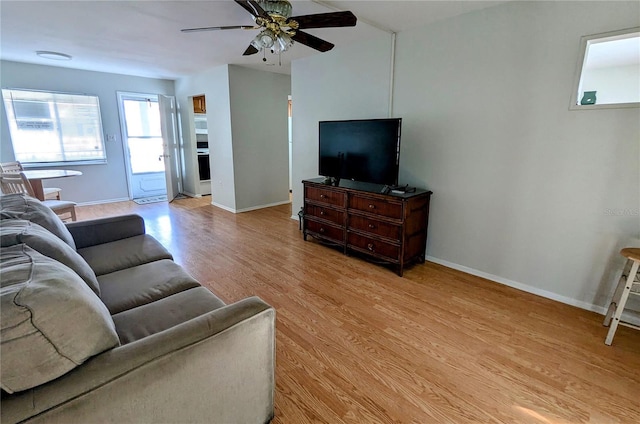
{"x":49,"y":127}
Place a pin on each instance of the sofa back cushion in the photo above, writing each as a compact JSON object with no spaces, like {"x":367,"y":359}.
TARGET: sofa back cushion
{"x":20,"y":206}
{"x":18,"y":231}
{"x":50,"y":320}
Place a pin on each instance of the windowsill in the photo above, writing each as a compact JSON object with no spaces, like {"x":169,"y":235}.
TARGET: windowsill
{"x":59,"y":164}
{"x":604,"y":106}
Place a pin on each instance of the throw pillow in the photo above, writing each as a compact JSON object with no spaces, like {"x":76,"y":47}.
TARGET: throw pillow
{"x":18,"y":231}
{"x":50,"y":320}
{"x":20,"y":206}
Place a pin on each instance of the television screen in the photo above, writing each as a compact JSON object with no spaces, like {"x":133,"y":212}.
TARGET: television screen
{"x":361,"y":150}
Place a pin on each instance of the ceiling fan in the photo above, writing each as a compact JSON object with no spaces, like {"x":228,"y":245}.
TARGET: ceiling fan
{"x":279,"y":29}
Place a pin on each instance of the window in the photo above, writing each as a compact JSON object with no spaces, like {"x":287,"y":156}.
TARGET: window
{"x":50,"y":128}
{"x":608,"y":71}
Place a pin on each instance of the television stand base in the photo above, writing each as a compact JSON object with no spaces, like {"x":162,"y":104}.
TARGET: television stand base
{"x":358,"y":219}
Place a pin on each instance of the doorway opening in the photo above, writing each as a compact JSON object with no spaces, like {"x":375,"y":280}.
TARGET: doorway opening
{"x":201,"y":142}
{"x":143,"y":143}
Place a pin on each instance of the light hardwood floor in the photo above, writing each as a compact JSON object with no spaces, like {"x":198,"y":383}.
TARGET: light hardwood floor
{"x":358,"y":344}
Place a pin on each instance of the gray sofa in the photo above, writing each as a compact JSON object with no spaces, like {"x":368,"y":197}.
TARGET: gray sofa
{"x":100,"y":325}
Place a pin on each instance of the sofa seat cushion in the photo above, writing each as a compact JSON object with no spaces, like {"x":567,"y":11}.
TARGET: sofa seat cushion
{"x":142,"y":284}
{"x":20,"y":206}
{"x":137,"y":323}
{"x":50,"y":322}
{"x":121,"y":254}
{"x":18,"y":231}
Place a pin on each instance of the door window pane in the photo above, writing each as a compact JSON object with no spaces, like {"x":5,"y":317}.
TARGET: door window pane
{"x":143,"y":118}
{"x":146,"y":155}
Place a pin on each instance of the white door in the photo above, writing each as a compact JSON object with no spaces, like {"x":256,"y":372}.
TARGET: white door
{"x":143,"y":142}
{"x":168,"y":124}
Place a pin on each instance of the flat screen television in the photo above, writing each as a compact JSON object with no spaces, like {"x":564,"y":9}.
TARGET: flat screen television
{"x":366,"y":150}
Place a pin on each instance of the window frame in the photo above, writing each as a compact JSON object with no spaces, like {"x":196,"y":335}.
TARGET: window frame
{"x":584,"y":43}
{"x":40,"y":163}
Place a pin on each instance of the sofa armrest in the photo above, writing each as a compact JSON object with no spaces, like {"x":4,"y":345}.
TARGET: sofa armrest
{"x":105,"y":230}
{"x":218,"y":367}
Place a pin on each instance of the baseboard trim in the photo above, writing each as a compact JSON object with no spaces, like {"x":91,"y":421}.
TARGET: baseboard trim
{"x":226,"y":208}
{"x":524,"y":287}
{"x":102,"y":202}
{"x":270,"y":205}
{"x":252,"y":208}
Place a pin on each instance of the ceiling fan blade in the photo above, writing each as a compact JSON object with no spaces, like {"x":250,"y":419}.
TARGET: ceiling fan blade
{"x":218,"y":28}
{"x":253,"y":7}
{"x":325,"y":20}
{"x":250,"y":50}
{"x":312,"y":41}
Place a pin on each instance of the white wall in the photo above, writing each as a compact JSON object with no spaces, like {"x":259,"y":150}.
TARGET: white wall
{"x":110,"y":177}
{"x":526,"y":192}
{"x":259,"y":103}
{"x":247,"y":125}
{"x":523,"y":186}
{"x":615,"y":84}
{"x":214,"y":84}
{"x":349,"y":82}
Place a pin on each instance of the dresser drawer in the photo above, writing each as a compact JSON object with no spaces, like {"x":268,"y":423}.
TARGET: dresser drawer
{"x":325,"y":213}
{"x":321,"y":195}
{"x":376,"y":206}
{"x":373,"y":246}
{"x":326,"y":230}
{"x":376,"y":227}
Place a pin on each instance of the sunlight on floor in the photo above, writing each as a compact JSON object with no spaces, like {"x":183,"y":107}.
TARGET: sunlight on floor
{"x":537,"y":416}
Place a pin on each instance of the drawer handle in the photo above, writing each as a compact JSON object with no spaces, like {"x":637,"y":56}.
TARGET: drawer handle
{"x":322,"y":196}
{"x":370,"y":246}
{"x":322,"y":213}
{"x":321,"y":229}
{"x":372,"y":226}
{"x":372,"y":206}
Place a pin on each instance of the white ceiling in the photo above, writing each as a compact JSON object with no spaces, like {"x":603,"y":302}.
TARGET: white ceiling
{"x":143,"y":37}
{"x":613,"y":53}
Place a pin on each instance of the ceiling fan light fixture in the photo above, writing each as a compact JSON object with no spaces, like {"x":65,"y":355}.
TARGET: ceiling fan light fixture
{"x":284,"y":41}
{"x":282,"y":44}
{"x":264,"y":40}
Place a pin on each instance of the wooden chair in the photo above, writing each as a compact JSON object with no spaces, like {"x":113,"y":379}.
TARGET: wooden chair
{"x":629,"y":284}
{"x":49,"y":192}
{"x":17,"y":182}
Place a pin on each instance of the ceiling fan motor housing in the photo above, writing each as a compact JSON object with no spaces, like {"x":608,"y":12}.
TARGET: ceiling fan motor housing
{"x":279,"y":12}
{"x":280,"y":8}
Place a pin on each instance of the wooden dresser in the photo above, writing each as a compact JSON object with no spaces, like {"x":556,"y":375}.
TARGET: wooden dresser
{"x":357,"y":217}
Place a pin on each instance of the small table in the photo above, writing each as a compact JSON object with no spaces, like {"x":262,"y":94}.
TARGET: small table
{"x":35,"y":177}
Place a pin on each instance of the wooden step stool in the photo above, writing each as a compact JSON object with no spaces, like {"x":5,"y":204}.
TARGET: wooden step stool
{"x":629,"y":284}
